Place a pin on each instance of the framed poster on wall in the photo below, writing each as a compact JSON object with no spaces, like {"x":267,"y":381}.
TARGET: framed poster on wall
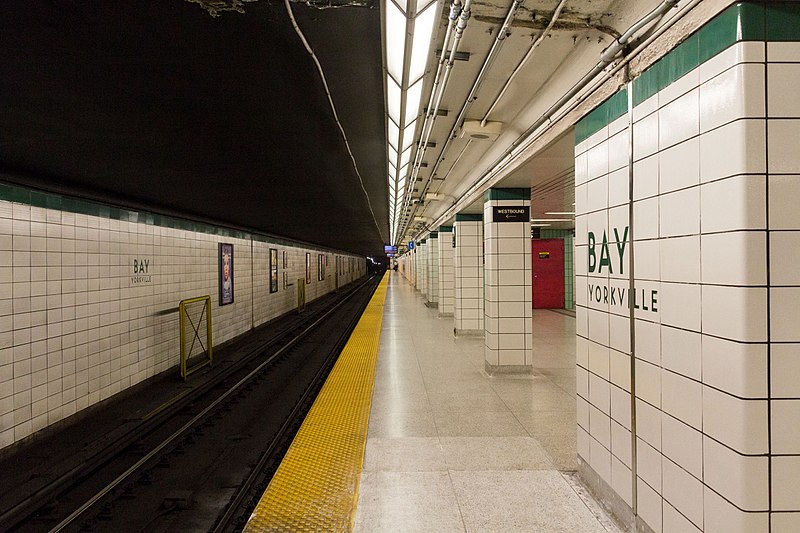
{"x":225,"y":273}
{"x":285,"y":269}
{"x":320,"y":267}
{"x":273,"y":270}
{"x":308,"y":268}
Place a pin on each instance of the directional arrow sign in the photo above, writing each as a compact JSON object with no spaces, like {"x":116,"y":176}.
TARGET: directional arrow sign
{"x":511,"y":213}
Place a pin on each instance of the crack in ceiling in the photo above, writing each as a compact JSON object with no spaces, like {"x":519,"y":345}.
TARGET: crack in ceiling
{"x":216,"y":7}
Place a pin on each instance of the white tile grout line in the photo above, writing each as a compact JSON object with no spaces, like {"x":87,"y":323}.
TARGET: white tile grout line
{"x":594,"y":507}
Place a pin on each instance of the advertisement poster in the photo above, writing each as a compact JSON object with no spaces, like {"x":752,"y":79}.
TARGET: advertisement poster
{"x":273,"y":270}
{"x":308,"y":269}
{"x":225,"y":274}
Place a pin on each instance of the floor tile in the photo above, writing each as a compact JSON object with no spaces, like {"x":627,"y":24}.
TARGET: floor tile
{"x":407,"y":501}
{"x":494,"y":453}
{"x":399,"y":423}
{"x":540,"y":501}
{"x":405,"y":454}
{"x":453,"y":449}
{"x":477,"y":424}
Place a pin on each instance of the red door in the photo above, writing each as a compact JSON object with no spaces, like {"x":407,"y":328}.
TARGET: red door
{"x":548,"y":273}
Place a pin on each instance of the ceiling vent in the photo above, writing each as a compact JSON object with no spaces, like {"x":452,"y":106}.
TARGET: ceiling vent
{"x":472,"y":129}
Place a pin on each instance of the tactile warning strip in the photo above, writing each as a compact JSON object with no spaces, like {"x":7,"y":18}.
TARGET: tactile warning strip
{"x":316,"y":485}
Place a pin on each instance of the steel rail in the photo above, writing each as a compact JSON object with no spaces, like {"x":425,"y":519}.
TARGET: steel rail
{"x":201,"y":415}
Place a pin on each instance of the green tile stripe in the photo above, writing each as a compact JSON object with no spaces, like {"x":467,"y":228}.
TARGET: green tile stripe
{"x":468,"y":217}
{"x":743,"y":21}
{"x":34,"y":198}
{"x":433,"y":235}
{"x":783,"y":21}
{"x":601,"y":116}
{"x":506,"y":194}
{"x":445,"y":229}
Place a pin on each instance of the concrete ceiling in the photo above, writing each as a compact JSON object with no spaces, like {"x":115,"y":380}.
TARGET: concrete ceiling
{"x":158,"y":104}
{"x":569,"y":50}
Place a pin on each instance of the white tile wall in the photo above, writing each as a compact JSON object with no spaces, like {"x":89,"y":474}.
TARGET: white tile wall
{"x":716,"y":223}
{"x":446,"y":274}
{"x":75,"y":330}
{"x":468,"y":267}
{"x":432,"y":275}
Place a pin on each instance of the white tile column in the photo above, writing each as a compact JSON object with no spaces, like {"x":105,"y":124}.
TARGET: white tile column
{"x":446,"y":281}
{"x":422,"y":267}
{"x":508,"y":314}
{"x":432,"y":294}
{"x":468,"y":270}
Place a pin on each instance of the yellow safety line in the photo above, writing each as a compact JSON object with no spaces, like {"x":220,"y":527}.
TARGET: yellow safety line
{"x":316,"y":485}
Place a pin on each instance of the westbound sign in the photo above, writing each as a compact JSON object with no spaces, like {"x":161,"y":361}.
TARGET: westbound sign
{"x":511,"y":214}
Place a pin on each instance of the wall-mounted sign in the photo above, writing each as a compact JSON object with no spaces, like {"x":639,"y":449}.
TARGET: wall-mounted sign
{"x":273,"y":270}
{"x":225,"y":274}
{"x":502,"y":213}
{"x":140,"y":271}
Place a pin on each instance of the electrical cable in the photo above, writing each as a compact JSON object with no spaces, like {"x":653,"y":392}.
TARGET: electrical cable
{"x":310,"y":51}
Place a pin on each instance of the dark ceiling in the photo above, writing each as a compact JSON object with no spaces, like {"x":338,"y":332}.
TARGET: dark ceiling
{"x":156,"y":104}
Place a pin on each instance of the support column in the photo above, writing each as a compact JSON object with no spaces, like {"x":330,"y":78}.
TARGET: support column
{"x":422,"y":267}
{"x":446,"y":282}
{"x":507,"y":244}
{"x":432,"y":294}
{"x":468,"y":270}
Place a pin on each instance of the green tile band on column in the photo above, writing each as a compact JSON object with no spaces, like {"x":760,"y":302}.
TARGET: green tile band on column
{"x":445,"y":229}
{"x":433,"y":235}
{"x":602,"y":115}
{"x":506,"y":194}
{"x":743,"y":21}
{"x":468,"y":217}
{"x":783,"y":21}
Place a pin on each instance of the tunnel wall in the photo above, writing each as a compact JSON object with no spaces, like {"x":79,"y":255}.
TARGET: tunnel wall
{"x":80,"y":323}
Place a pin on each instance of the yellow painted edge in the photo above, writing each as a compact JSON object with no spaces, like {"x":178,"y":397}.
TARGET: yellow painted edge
{"x":281,"y":489}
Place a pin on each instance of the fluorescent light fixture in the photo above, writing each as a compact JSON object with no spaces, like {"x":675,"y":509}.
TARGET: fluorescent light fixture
{"x":404,"y":20}
{"x":560,"y":213}
{"x":423,"y":31}
{"x":394,"y":134}
{"x":540,"y":225}
{"x":393,"y":99}
{"x":413,"y":97}
{"x":551,"y":220}
{"x":408,"y":135}
{"x":395,"y":40}
{"x":405,"y":158}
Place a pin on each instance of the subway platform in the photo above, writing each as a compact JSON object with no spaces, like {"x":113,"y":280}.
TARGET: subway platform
{"x":449,"y":448}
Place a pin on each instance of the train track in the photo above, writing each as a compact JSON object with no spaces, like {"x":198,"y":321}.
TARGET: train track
{"x":202,"y":461}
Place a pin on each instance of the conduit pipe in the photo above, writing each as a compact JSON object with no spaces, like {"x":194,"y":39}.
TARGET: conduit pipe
{"x":430,"y":114}
{"x":606,"y":57}
{"x":431,"y":117}
{"x":462,"y":14}
{"x":524,"y":60}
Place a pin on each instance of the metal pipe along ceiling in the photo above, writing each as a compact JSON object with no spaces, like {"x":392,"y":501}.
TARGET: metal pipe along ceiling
{"x":462,"y":14}
{"x":493,"y":51}
{"x":524,"y":60}
{"x":606,"y":57}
